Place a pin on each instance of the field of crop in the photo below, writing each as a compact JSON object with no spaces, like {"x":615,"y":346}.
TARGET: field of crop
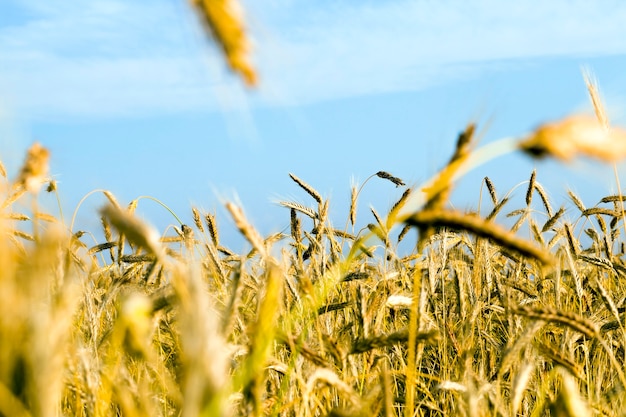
{"x":474,"y":321}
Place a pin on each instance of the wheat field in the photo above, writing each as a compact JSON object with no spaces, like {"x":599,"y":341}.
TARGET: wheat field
{"x":475,"y":320}
{"x":503,"y":310}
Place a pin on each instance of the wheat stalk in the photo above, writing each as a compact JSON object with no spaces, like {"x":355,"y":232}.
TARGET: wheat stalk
{"x":552,"y":315}
{"x":306,"y":187}
{"x":249,"y":232}
{"x":596,"y":100}
{"x":492,"y":191}
{"x":223,"y":19}
{"x":136,"y":231}
{"x":531,"y":187}
{"x":559,"y":358}
{"x":497,"y":208}
{"x":353,"y":202}
{"x":552,"y":220}
{"x":395,"y":209}
{"x":480,"y":228}
{"x":574,"y":136}
{"x":544,"y":199}
{"x":197,"y":220}
{"x":299,"y":207}
{"x":387,"y":176}
{"x":571,"y":241}
{"x":601,"y":210}
{"x":613,"y":199}
{"x":100,"y":247}
{"x":35,"y":168}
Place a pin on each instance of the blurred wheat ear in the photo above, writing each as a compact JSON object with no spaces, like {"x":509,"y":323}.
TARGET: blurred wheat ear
{"x":223,"y":22}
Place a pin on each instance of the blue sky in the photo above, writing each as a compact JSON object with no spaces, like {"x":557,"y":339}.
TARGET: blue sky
{"x":129,"y":96}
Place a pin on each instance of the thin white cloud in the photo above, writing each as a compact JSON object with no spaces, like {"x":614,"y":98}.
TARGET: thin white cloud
{"x":121,"y":58}
{"x":107,"y":58}
{"x":53,"y":88}
{"x":359,"y":48}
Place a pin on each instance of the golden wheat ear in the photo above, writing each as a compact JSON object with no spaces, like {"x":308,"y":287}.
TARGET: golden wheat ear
{"x":137,"y":232}
{"x":577,"y":135}
{"x":35,"y":169}
{"x":223,"y":21}
{"x":479,"y":227}
{"x":594,"y":95}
